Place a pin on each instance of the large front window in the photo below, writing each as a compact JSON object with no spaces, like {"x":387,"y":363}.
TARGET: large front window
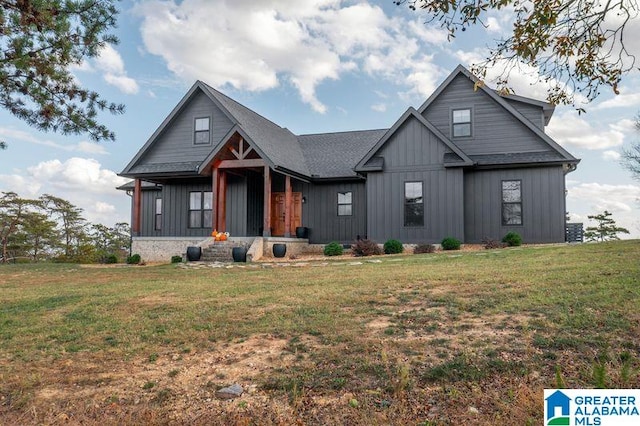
{"x":200,"y":207}
{"x":512,"y":202}
{"x":413,"y":204}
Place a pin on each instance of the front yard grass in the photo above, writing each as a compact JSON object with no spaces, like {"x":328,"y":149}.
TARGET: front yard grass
{"x":447,"y":338}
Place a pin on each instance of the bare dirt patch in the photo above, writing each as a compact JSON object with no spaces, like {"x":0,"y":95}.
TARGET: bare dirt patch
{"x":188,"y":380}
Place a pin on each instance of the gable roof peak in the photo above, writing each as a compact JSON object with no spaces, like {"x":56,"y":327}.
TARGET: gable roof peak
{"x":411,"y":112}
{"x":503,"y":102}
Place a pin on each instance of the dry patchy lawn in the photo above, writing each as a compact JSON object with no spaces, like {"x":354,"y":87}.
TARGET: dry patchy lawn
{"x":448,"y":338}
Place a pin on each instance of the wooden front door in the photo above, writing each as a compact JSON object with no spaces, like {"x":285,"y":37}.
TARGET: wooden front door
{"x":277,"y":213}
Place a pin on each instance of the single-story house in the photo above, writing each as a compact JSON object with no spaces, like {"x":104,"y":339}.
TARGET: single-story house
{"x":469,"y":163}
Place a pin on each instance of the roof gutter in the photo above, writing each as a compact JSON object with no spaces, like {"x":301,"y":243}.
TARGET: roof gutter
{"x":291,"y":173}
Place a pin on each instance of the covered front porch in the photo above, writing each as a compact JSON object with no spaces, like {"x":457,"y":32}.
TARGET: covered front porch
{"x":249,"y":197}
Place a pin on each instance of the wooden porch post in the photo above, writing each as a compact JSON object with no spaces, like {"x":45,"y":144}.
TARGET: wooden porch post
{"x":288,"y":196}
{"x":266,"y":231}
{"x":137,"y":207}
{"x":221,"y":200}
{"x":214,"y":192}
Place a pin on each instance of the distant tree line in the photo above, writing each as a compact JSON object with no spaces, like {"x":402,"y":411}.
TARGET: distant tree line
{"x":53,"y":229}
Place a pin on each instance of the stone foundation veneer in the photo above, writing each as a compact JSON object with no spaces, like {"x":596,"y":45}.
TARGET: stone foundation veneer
{"x":160,"y":249}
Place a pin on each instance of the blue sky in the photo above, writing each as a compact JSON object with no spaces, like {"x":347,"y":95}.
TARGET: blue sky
{"x":313,"y":66}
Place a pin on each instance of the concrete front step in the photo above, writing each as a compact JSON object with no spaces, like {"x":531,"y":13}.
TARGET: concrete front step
{"x":221,"y":251}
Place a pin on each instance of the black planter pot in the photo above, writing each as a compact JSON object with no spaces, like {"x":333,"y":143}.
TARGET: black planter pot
{"x":279,"y":250}
{"x":302,"y":232}
{"x":193,"y":253}
{"x":239,"y":254}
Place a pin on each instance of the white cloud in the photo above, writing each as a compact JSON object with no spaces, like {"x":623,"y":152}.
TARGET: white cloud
{"x":110,"y":61}
{"x":82,"y":147}
{"x":257,"y":46}
{"x":493,"y":25}
{"x":381,"y":94}
{"x":82,"y":181}
{"x":523,"y":79}
{"x":611,"y":155}
{"x":623,"y":100}
{"x":111,"y":64}
{"x":125,"y":84}
{"x":84,"y":66}
{"x":570,"y":129}
{"x":380,"y":107}
{"x":617,"y":199}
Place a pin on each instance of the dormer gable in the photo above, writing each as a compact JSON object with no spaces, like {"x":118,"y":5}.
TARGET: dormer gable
{"x":186,"y":136}
{"x":430,"y":148}
{"x":495,"y":125}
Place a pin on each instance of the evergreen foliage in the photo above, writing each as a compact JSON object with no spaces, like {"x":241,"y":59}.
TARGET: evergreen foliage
{"x":333,"y":249}
{"x":393,"y":247}
{"x":606,"y":228}
{"x":450,"y":243}
{"x":40,"y":42}
{"x":512,"y":239}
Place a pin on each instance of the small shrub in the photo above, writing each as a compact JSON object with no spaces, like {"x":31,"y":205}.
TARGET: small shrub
{"x":365,"y":248}
{"x":424,"y":248}
{"x":513,"y":239}
{"x":393,"y":247}
{"x":111,"y":259}
{"x":490,"y":244}
{"x":176,"y":259}
{"x":133,"y":259}
{"x":450,"y":243}
{"x":333,"y":249}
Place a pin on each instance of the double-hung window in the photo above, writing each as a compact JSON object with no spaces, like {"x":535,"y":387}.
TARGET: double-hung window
{"x":345,"y":204}
{"x":158,"y":215}
{"x":200,"y":207}
{"x":461,"y":122}
{"x":201,"y":131}
{"x":413,"y":204}
{"x":512,"y":202}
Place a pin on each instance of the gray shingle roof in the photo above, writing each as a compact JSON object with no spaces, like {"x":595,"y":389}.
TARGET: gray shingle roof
{"x":512,"y":158}
{"x":332,"y":155}
{"x":186,"y":166}
{"x":145,"y":185}
{"x":277,"y":143}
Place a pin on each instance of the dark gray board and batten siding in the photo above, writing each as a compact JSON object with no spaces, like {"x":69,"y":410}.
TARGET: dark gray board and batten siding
{"x":533,"y":113}
{"x":175,"y":210}
{"x":414,"y":154}
{"x":494,"y":129}
{"x":320,"y":212}
{"x":245,"y":195}
{"x":175,"y":204}
{"x":176,"y":145}
{"x":147,"y":219}
{"x":543,"y":204}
